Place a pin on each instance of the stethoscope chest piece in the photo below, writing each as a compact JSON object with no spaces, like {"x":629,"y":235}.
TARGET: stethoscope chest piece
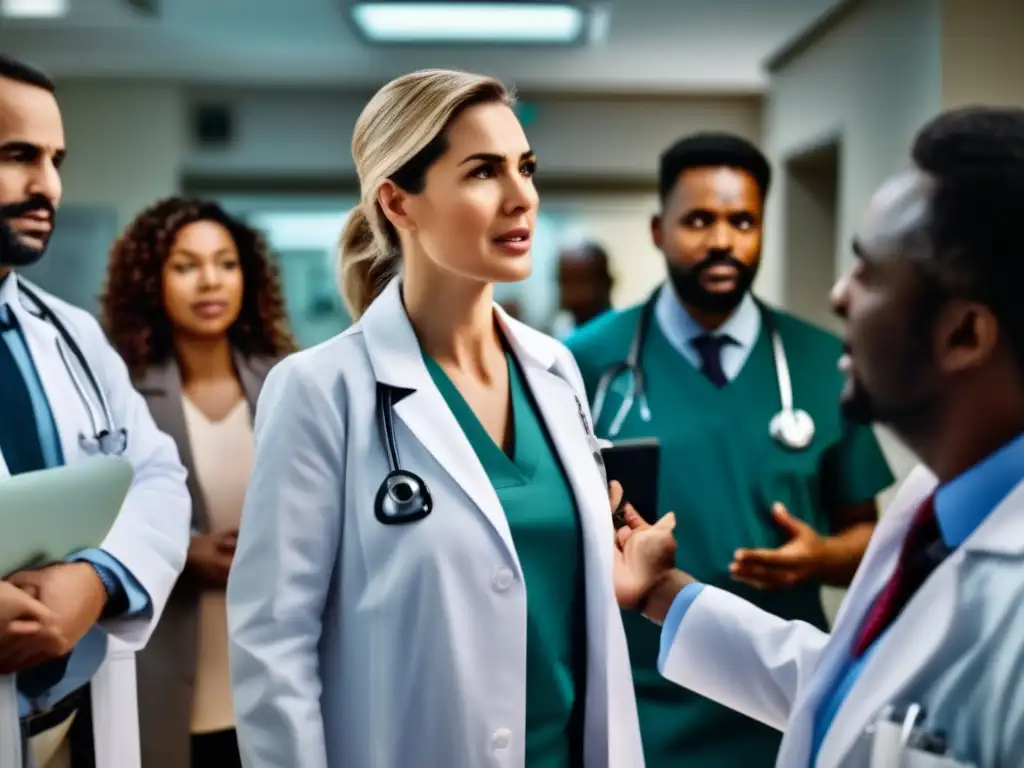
{"x":402,"y":498}
{"x":105,"y":442}
{"x":793,"y":428}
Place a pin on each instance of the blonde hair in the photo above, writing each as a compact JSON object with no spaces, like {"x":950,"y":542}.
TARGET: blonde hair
{"x":398,"y":135}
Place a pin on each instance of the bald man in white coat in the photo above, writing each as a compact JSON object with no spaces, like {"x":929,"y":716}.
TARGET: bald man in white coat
{"x":927,"y":654}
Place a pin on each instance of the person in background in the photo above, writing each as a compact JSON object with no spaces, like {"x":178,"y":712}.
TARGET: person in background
{"x":192,"y":303}
{"x":584,"y":287}
{"x":769,"y":521}
{"x":931,"y":633}
{"x":48,"y":419}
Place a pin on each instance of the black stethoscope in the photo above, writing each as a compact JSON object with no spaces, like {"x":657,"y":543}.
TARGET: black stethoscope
{"x":106,"y":438}
{"x":403,"y":496}
{"x":790,"y":427}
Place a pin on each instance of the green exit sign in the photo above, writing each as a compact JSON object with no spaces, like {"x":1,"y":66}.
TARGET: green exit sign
{"x":526,"y":112}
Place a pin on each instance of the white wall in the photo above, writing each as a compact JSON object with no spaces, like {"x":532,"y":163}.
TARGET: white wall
{"x":125,"y":146}
{"x":309,"y":133}
{"x":872,"y":81}
{"x":621,"y":223}
{"x":982,"y":52}
{"x":125,"y":143}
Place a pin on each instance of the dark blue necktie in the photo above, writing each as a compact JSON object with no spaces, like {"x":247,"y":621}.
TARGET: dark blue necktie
{"x":23,"y":452}
{"x":710,"y":350}
{"x":19,"y":435}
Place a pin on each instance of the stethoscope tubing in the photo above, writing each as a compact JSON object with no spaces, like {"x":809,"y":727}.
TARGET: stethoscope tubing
{"x":66,"y":343}
{"x":636,"y":389}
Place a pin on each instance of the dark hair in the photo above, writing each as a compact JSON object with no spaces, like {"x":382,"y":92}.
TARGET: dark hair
{"x":132,"y":302}
{"x":13,"y":69}
{"x":594,"y":252}
{"x":975,"y":155}
{"x":705,"y":150}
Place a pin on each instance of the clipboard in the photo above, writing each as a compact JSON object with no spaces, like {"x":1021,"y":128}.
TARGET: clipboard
{"x":50,"y":514}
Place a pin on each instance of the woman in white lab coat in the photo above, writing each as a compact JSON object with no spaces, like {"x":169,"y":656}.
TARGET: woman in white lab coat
{"x":460,"y":614}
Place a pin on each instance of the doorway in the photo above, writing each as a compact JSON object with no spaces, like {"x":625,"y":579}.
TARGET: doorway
{"x":811,"y":232}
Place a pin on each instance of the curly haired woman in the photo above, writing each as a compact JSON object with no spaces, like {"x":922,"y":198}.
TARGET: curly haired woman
{"x":193,"y":305}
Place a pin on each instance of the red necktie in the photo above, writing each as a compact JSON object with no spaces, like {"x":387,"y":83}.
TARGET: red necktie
{"x":922,"y":552}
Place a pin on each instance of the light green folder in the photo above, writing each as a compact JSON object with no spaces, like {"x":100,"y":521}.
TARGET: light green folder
{"x":47,"y":515}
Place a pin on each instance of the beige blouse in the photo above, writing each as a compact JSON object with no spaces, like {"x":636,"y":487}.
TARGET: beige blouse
{"x":222,"y":454}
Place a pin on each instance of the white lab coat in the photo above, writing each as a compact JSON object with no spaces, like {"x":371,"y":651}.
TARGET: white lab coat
{"x":355,"y":643}
{"x":957,"y":648}
{"x":150,"y":536}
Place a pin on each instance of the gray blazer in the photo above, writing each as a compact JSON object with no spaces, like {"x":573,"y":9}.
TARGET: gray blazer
{"x":166,"y":667}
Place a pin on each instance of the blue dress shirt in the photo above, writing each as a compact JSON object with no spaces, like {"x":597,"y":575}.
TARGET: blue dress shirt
{"x":960,"y":507}
{"x":88,"y":655}
{"x":679,"y":327}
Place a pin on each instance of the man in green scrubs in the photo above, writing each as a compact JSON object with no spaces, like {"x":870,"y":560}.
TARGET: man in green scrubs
{"x":769,"y":522}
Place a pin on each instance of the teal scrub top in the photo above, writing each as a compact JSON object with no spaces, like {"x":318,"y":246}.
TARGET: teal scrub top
{"x":542,"y":516}
{"x":720,"y":472}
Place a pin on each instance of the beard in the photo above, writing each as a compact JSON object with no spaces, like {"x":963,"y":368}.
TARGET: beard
{"x":15,"y":250}
{"x":857,"y":404}
{"x":906,"y":399}
{"x":688,"y":287}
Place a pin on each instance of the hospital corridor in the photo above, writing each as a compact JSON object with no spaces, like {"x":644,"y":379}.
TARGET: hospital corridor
{"x":511,"y":384}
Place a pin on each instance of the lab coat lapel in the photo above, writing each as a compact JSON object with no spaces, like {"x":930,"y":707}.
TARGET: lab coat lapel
{"x":570,"y":431}
{"x":572,"y":434}
{"x":397,"y":361}
{"x":879,"y":561}
{"x":912,"y":640}
{"x":69,"y":412}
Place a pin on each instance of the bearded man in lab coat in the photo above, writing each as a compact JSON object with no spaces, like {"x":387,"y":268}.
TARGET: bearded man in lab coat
{"x":51,"y":638}
{"x":931,"y":633}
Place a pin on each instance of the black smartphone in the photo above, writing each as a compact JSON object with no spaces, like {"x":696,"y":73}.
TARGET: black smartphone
{"x":634,"y":463}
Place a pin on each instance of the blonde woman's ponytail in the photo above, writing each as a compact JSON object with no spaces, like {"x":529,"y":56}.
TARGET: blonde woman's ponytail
{"x":367,"y":265}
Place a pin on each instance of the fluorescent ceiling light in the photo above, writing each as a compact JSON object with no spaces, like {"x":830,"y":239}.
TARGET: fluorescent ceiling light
{"x":33,"y":9}
{"x":499,"y":22}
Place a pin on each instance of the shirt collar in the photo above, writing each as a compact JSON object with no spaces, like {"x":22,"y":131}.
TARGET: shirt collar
{"x":8,"y":295}
{"x":743,"y":325}
{"x":962,"y":504}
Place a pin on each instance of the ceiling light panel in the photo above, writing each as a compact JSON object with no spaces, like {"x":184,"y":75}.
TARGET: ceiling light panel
{"x":498,"y":22}
{"x":33,"y":9}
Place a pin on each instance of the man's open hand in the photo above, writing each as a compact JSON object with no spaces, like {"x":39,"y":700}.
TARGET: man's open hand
{"x":795,"y":562}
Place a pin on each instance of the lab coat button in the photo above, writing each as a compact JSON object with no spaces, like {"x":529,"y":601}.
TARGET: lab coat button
{"x":502,"y":580}
{"x":501,"y":739}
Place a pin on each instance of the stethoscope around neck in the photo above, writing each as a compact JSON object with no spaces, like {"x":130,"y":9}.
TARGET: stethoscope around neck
{"x":790,"y":427}
{"x":403,"y":496}
{"x":106,"y":438}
